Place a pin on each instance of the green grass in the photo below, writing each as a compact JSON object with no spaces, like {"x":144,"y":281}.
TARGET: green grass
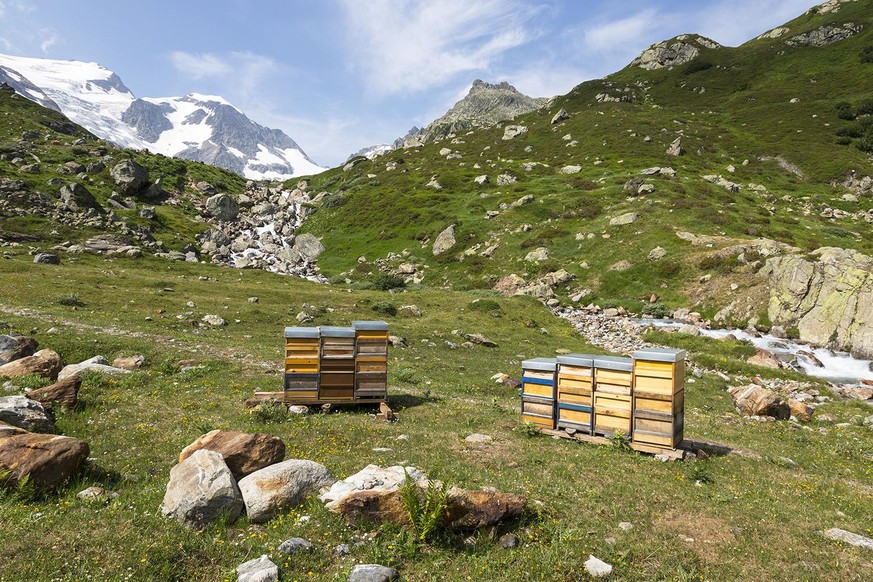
{"x":747,"y":516}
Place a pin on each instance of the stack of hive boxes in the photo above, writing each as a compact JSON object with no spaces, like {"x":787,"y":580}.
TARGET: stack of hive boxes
{"x":642,"y":397}
{"x":576,"y":392}
{"x":659,"y":397}
{"x":337,"y":381}
{"x":613,"y":382}
{"x":538,"y":391}
{"x":302,"y":350}
{"x":371,"y":360}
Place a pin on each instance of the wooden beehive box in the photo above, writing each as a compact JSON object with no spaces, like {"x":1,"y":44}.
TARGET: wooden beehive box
{"x":659,"y":397}
{"x":302,"y":351}
{"x":576,"y":392}
{"x":538,"y":381}
{"x":371,"y":360}
{"x":337,"y":364}
{"x":613,"y":381}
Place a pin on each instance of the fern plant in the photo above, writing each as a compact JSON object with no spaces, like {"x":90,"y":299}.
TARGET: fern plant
{"x":424,"y":509}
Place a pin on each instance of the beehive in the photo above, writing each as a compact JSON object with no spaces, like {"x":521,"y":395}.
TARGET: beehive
{"x":302,"y":351}
{"x":576,"y":393}
{"x":613,"y":383}
{"x":337,"y":364}
{"x":538,"y":391}
{"x":659,"y":397}
{"x":371,"y":360}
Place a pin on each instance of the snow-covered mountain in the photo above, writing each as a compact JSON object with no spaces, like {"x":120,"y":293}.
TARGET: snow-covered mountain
{"x":196,"y":127}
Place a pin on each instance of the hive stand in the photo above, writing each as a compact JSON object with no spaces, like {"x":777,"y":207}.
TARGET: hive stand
{"x":613,"y":384}
{"x":337,"y":365}
{"x":371,"y":361}
{"x":302,"y":348}
{"x":659,"y":397}
{"x":538,"y":391}
{"x":576,"y":393}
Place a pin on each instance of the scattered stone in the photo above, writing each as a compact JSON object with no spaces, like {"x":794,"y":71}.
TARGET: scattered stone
{"x":626,"y":526}
{"x":371,"y":477}
{"x":47,"y":259}
{"x":213,"y":320}
{"x":45,"y":363}
{"x":799,"y":409}
{"x":483,"y":179}
{"x":537,"y":255}
{"x":479,"y":439}
{"x":342,"y":550}
{"x":626,"y":218}
{"x":657,"y":253}
{"x":472,"y":510}
{"x":202,"y":489}
{"x":252,"y":299}
{"x":853,"y":539}
{"x":279,"y":486}
{"x":754,"y":400}
{"x":129,"y":176}
{"x":571,"y":169}
{"x":765,"y":359}
{"x":97,"y":364}
{"x":622,"y":265}
{"x":91,"y":494}
{"x":243,"y":453}
{"x":222,"y":207}
{"x":64,"y":392}
{"x":560,"y":116}
{"x":409,"y":311}
{"x":25,"y":413}
{"x":444,"y":240}
{"x":373,"y":573}
{"x":478,"y":338}
{"x":505,"y":179}
{"x":508,"y":541}
{"x":46,"y":460}
{"x":258,"y":570}
{"x":511,"y":131}
{"x":597,"y":568}
{"x":293,"y":546}
{"x":307,"y":247}
{"x":129,"y":363}
{"x":675,"y":148}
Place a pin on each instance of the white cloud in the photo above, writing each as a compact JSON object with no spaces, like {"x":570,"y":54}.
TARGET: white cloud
{"x":412,"y":45}
{"x":733,"y":22}
{"x":49,"y":39}
{"x":200,"y":66}
{"x":239,"y":75}
{"x":617,"y":34}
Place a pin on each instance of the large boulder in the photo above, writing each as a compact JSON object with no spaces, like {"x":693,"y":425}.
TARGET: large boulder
{"x":243,"y":453}
{"x":45,"y":363}
{"x":201,"y":490}
{"x":222,"y":207}
{"x":260,"y":569}
{"x":15,"y":347}
{"x":828,"y":300}
{"x":97,"y":364}
{"x":272,"y":489}
{"x":129,"y":176}
{"x":671,"y":53}
{"x":76,"y":197}
{"x":25,"y":413}
{"x":64,"y":392}
{"x":370,"y":478}
{"x":46,"y":460}
{"x":307,"y":247}
{"x":754,"y":400}
{"x":444,"y":240}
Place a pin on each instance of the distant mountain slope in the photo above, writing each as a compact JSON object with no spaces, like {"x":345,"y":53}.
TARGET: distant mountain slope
{"x":195,"y":127}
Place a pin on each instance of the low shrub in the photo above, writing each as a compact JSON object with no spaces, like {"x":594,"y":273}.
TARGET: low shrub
{"x":384,"y":307}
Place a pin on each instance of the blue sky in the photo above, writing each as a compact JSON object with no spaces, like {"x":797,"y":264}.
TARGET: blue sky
{"x":339,"y":75}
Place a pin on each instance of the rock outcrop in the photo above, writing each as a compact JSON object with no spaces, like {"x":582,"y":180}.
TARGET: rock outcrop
{"x":828,"y":298}
{"x":670,"y":53}
{"x":825,"y":35}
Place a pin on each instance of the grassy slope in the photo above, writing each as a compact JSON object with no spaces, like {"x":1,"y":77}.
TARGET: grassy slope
{"x":745,"y":113}
{"x":748,"y":518}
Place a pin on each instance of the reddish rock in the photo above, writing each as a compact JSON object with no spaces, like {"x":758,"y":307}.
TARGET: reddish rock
{"x":130,"y":363}
{"x":48,"y":460}
{"x":753,"y":400}
{"x":7,"y":430}
{"x":801,"y":410}
{"x":64,"y":392}
{"x":373,"y":505}
{"x":765,"y":359}
{"x":470,"y":510}
{"x":45,"y":363}
{"x":244,"y":453}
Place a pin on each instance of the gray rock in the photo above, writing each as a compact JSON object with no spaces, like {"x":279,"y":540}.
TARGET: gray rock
{"x":560,"y":116}
{"x":508,"y":541}
{"x":479,"y":439}
{"x":511,"y":131}
{"x":675,"y":148}
{"x":668,"y":53}
{"x":505,"y":179}
{"x":201,"y":490}
{"x":373,"y":573}
{"x":537,"y":255}
{"x":214,"y":320}
{"x":575,"y":169}
{"x":16,"y":347}
{"x":292,"y":546}
{"x":129,"y":176}
{"x":272,"y":489}
{"x":483,"y":179}
{"x":444,"y":240}
{"x":258,"y":570}
{"x":626,"y":218}
{"x":848,"y":537}
{"x":825,"y":35}
{"x":222,"y":207}
{"x":147,"y":212}
{"x":307,"y":246}
{"x":343,"y":550}
{"x":47,"y":259}
{"x":97,"y":364}
{"x":25,"y":413}
{"x":76,"y":197}
{"x":657,"y":253}
{"x":597,"y":568}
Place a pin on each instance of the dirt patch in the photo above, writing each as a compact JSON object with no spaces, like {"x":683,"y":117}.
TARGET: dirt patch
{"x":699,"y":532}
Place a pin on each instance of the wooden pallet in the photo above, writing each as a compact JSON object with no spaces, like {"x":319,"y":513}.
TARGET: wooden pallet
{"x":673,"y":454}
{"x":290,"y":401}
